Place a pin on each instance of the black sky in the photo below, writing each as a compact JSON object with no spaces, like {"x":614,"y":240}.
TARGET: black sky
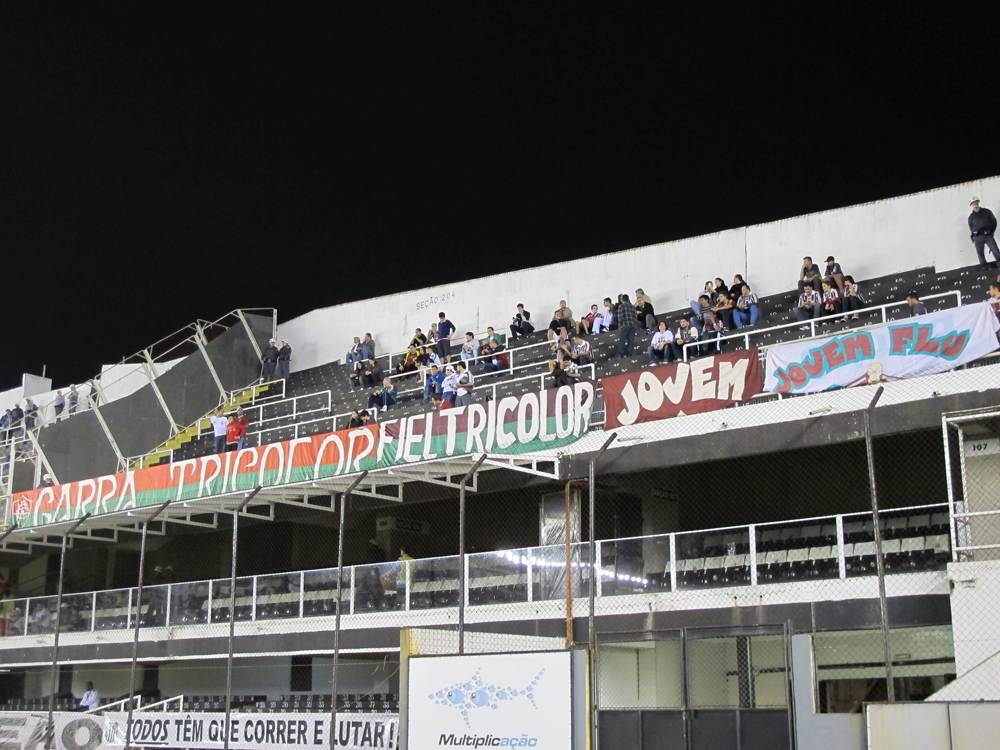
{"x":163,"y":162}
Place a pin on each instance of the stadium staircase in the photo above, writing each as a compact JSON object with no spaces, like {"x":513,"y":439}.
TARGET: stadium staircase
{"x":293,"y":416}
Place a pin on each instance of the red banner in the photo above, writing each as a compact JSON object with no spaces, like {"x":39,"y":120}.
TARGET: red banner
{"x":701,"y":385}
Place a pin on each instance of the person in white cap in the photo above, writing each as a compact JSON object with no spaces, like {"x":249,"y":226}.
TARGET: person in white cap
{"x":982,"y":225}
{"x":46,"y":481}
{"x":269,"y":357}
{"x":284,"y":358}
{"x":449,"y":385}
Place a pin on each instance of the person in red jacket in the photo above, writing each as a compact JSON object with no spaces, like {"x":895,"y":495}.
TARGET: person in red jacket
{"x":244,"y":422}
{"x":233,"y":434}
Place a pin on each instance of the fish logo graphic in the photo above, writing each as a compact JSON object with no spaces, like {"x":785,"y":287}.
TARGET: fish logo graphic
{"x":475,"y":693}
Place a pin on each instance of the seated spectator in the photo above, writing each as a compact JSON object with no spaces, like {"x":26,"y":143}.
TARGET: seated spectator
{"x":853,"y":301}
{"x":427,"y":358}
{"x":468,"y":346}
{"x":720,"y":286}
{"x":410,"y":361}
{"x":712,"y":330}
{"x":355,"y":375}
{"x":738,"y":282}
{"x":449,"y":385}
{"x":439,"y":402}
{"x":492,"y":335}
{"x":466,"y":381}
{"x":723,"y":308}
{"x":434,"y":382}
{"x":500,"y":360}
{"x":562,"y":317}
{"x":584,"y":324}
{"x":355,"y":420}
{"x":419,"y":339}
{"x":916,"y":306}
{"x":832,"y":303}
{"x":368,"y":346}
{"x":560,"y":377}
{"x":685,"y":334}
{"x":445,"y":328}
{"x":835,"y":272}
{"x":747,"y":308}
{"x":994,"y":298}
{"x":604,"y":321}
{"x":432,"y":334}
{"x":709,"y":289}
{"x":809,"y":273}
{"x":383,"y":397}
{"x":644,"y":311}
{"x":354,"y":354}
{"x":580,"y":355}
{"x":699,"y":307}
{"x":522,"y":325}
{"x":660,"y":347}
{"x":371,"y":373}
{"x":560,"y":348}
{"x":810,"y":304}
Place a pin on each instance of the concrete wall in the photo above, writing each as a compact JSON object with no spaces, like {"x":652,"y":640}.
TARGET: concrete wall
{"x":870,"y":239}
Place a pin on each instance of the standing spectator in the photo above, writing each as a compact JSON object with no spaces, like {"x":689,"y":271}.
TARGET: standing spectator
{"x":419,"y":339}
{"x":30,"y":414}
{"x":723,"y":308}
{"x":354,"y":354}
{"x":403,"y":577}
{"x":982,"y":225}
{"x":581,"y":354}
{"x":853,"y":301}
{"x":521,"y":325}
{"x":499,"y":357}
{"x":468,"y":347}
{"x":270,"y":358}
{"x":686,"y":334}
{"x":747,"y":308}
{"x":809,"y":274}
{"x":834,"y":271}
{"x":284,"y":359}
{"x":384,"y":397}
{"x":810,"y":304}
{"x":220,"y":426}
{"x":627,"y":322}
{"x":234,"y":432}
{"x":561,"y":348}
{"x":562,"y":317}
{"x":916,"y":306}
{"x":95,"y":393}
{"x":17,"y":418}
{"x":466,"y":381}
{"x":46,"y":481}
{"x":832,"y":303}
{"x":72,"y":399}
{"x":699,"y":308}
{"x":449,"y":385}
{"x":244,"y":422}
{"x":584,"y":324}
{"x":368,"y":346}
{"x":605,"y":320}
{"x":91,"y":699}
{"x":644,"y":311}
{"x":434,"y":383}
{"x":8,"y":611}
{"x":659,"y":347}
{"x":444,"y":330}
{"x":5,"y":426}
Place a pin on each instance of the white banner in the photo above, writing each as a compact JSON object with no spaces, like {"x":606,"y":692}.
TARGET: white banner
{"x":26,"y":730}
{"x":924,"y":345}
{"x":496,"y":700}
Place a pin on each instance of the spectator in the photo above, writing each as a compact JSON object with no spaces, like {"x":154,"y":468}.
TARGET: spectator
{"x":916,"y":306}
{"x":644,"y":311}
{"x":8,"y":612}
{"x":500,"y":359}
{"x":354,"y":354}
{"x":46,"y":481}
{"x":450,"y":385}
{"x":356,"y":420}
{"x":60,"y":404}
{"x":659,"y":347}
{"x":356,"y":375}
{"x":627,"y":322}
{"x":384,"y":397}
{"x":853,"y":301}
{"x":605,"y":320}
{"x":468,"y":347}
{"x":809,"y":274}
{"x":72,"y":399}
{"x":444,"y":330}
{"x":427,"y":358}
{"x":5,"y":425}
{"x":41,"y":619}
{"x":521,"y":325}
{"x":713,"y":329}
{"x":699,"y":308}
{"x":584,"y":324}
{"x":720,"y":286}
{"x":433,"y":383}
{"x":91,"y":699}
{"x":368,"y":346}
{"x":982,"y":225}
{"x":270,"y":358}
{"x":466,"y":381}
{"x":404,"y":575}
{"x":30,"y":414}
{"x":561,"y":349}
{"x":994,"y":293}
{"x":492,"y":335}
{"x":234,"y":431}
{"x":810,"y":304}
{"x":686,"y":334}
{"x":561,"y":377}
{"x":581,"y":354}
{"x":738,"y":282}
{"x":409,"y":363}
{"x":438,"y":401}
{"x":432,"y":334}
{"x":723,"y":308}
{"x":244,"y":421}
{"x":419,"y":339}
{"x":832,"y":302}
{"x":835,"y":272}
{"x":17,"y":418}
{"x":284,"y":359}
{"x":747,"y":308}
{"x":219,"y":427}
{"x":561,"y":318}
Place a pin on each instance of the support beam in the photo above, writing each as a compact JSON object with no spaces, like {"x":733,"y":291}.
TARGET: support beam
{"x":41,"y":455}
{"x":249,"y":331}
{"x":111,"y":438}
{"x":199,"y":339}
{"x":462,"y":581}
{"x":147,"y":366}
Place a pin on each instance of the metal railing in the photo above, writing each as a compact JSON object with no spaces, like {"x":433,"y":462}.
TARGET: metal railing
{"x":202,"y":430}
{"x":540,"y":377}
{"x":479,"y":337}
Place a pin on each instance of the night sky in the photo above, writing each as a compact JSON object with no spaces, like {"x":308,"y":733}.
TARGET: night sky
{"x":163,"y":162}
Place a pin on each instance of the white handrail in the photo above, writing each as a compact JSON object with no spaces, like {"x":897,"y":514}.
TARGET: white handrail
{"x":179,"y":699}
{"x":541,"y":376}
{"x":406,"y":351}
{"x":812,"y":324}
{"x":294,"y":399}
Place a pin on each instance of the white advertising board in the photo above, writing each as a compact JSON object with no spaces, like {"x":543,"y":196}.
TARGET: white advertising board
{"x":494,"y":700}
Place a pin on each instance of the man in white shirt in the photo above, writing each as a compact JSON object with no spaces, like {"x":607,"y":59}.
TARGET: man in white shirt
{"x":660,"y":348}
{"x":219,"y":426}
{"x":91,"y":699}
{"x":810,"y":304}
{"x":603,"y":320}
{"x":450,"y":385}
{"x":465,"y":382}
